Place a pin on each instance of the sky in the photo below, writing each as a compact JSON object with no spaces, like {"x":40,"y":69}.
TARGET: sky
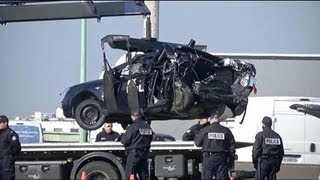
{"x":38,"y":60}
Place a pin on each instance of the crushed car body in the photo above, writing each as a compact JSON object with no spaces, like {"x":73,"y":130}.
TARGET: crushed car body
{"x":165,"y":80}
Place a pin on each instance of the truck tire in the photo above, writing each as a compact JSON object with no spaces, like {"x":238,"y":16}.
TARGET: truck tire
{"x":88,"y":114}
{"x":98,"y":170}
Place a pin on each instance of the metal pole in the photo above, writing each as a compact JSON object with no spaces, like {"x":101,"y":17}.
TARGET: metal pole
{"x":153,"y":6}
{"x":83,"y":68}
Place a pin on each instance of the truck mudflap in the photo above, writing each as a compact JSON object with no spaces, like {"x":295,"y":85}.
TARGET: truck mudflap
{"x":241,"y":174}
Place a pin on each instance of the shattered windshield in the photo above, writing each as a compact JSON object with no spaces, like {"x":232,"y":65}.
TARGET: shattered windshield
{"x":136,"y":68}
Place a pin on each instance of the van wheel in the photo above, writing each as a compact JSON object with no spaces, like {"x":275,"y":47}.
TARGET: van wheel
{"x":98,"y":170}
{"x":88,"y":114}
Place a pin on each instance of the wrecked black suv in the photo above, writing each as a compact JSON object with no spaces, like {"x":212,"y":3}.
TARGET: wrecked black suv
{"x":165,"y":80}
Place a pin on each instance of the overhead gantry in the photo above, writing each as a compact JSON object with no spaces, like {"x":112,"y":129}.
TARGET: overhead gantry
{"x":21,"y":11}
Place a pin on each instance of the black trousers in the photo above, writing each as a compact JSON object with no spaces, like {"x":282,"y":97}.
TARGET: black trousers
{"x":214,"y":165}
{"x":7,"y":170}
{"x":137,"y":163}
{"x":267,"y":169}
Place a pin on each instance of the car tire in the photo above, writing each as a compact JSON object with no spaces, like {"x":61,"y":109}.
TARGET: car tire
{"x":98,"y":170}
{"x":88,"y":114}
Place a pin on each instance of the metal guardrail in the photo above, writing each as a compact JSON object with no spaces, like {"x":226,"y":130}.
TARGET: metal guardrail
{"x":269,"y":56}
{"x":104,"y":146}
{"x":63,"y":137}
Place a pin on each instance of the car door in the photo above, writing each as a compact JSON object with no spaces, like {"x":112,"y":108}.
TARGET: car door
{"x":134,"y":74}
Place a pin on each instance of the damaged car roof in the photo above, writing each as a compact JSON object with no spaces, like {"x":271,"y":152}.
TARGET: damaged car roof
{"x":128,"y":43}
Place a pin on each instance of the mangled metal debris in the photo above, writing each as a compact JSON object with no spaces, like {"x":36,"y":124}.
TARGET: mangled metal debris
{"x":166,"y":80}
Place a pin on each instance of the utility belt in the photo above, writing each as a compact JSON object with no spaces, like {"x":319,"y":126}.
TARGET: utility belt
{"x":215,"y":153}
{"x":1,"y":157}
{"x":4,"y":153}
{"x":270,"y":156}
{"x":137,"y":150}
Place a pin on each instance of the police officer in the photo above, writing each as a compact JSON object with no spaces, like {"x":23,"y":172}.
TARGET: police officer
{"x":107,"y":134}
{"x":137,"y":140}
{"x":218,"y":149}
{"x":9,"y":148}
{"x":267,"y":152}
{"x":195,"y":129}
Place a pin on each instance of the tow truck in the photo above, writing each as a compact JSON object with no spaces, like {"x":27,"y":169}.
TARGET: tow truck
{"x":95,"y":160}
{"x":104,"y":160}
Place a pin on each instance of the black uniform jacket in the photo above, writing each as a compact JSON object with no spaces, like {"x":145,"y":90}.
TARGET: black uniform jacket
{"x":9,"y":143}
{"x":193,"y":131}
{"x":138,"y":135}
{"x":104,"y":136}
{"x":268,"y":143}
{"x":216,"y":138}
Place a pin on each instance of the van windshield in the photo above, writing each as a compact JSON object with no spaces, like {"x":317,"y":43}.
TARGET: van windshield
{"x":27,"y":134}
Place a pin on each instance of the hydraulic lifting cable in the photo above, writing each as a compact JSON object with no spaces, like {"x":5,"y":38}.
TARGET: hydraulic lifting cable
{"x":244,"y":115}
{"x":93,"y":9}
{"x":2,"y":21}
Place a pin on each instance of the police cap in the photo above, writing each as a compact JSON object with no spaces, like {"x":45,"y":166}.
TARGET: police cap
{"x":136,"y":112}
{"x":218,"y":112}
{"x":3,"y":118}
{"x":267,"y":121}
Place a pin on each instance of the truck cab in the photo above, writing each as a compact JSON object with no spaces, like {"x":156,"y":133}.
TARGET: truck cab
{"x":28,"y":131}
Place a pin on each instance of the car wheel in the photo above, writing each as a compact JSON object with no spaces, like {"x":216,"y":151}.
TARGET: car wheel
{"x":98,"y":170}
{"x":88,"y":114}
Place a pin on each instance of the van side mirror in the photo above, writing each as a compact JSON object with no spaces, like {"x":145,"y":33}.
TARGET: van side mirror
{"x":312,"y":147}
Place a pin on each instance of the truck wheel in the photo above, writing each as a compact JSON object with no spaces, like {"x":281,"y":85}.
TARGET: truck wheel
{"x":98,"y":170}
{"x":88,"y":114}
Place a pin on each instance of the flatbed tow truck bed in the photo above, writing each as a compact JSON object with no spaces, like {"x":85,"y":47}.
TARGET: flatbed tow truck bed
{"x":69,"y":159}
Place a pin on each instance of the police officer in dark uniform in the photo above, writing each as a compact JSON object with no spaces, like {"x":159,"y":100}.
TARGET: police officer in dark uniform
{"x":218,"y":149}
{"x":107,"y":134}
{"x":9,"y":148}
{"x":137,"y":140}
{"x":267,"y":152}
{"x":194,"y":130}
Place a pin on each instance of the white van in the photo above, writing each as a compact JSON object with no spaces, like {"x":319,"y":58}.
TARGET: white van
{"x":28,"y":131}
{"x":299,"y":129}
